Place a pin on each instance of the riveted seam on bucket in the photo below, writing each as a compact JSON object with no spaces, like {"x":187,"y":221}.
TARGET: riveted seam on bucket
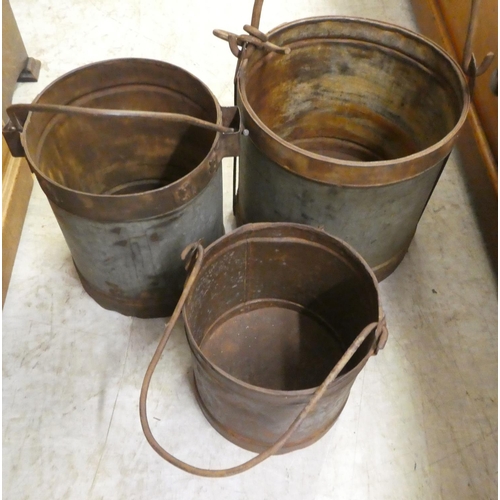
{"x":170,"y":213}
{"x":59,"y":193}
{"x":56,"y":190}
{"x":211,"y":252}
{"x":229,"y":143}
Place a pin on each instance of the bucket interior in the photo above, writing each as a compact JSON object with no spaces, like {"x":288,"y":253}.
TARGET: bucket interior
{"x":110,"y":155}
{"x":354,"y":89}
{"x":277,"y":311}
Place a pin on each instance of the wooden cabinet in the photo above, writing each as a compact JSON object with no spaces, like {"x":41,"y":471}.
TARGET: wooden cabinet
{"x":455,"y":15}
{"x":17,"y":180}
{"x":16,"y":65}
{"x":446,"y":22}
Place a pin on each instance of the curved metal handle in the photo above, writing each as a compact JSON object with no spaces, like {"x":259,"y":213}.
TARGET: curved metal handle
{"x":255,"y":38}
{"x":256,"y":12}
{"x":15,"y":109}
{"x":195,"y":251}
{"x":469,"y":64}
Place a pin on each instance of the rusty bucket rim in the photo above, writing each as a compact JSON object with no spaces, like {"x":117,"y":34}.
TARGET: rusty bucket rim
{"x":413,"y":160}
{"x":130,"y":196}
{"x":257,"y":226}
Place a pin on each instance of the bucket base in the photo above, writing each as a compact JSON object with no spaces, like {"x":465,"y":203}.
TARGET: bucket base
{"x":382,"y":271}
{"x":273,"y":344}
{"x":138,"y":308}
{"x":252,"y":444}
{"x":385,"y":269}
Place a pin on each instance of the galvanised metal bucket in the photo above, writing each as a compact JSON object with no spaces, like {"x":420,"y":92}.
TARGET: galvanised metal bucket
{"x":349,"y":131}
{"x":273,"y":313}
{"x":131,"y":175}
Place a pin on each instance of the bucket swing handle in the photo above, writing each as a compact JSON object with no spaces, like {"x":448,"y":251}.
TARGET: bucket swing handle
{"x":193,"y":254}
{"x":19,"y":112}
{"x":241,"y":47}
{"x":254,"y":38}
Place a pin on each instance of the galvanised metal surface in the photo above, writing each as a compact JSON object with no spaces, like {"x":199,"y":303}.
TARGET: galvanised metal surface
{"x":380,"y":222}
{"x":271,"y":311}
{"x":130,"y":192}
{"x":134,"y":267}
{"x":348,"y":131}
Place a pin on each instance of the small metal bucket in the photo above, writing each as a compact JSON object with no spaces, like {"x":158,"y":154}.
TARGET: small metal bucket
{"x":273,"y":313}
{"x":348,"y":131}
{"x":128,"y":152}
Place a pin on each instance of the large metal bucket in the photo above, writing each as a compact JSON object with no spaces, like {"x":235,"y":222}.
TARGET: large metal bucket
{"x":130,"y":189}
{"x":349,"y":131}
{"x":270,"y":311}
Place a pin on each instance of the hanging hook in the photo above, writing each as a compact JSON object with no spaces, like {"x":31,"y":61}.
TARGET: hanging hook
{"x":469,"y":63}
{"x":254,"y":37}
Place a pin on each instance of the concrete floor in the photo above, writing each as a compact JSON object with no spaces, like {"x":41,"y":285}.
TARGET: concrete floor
{"x":421,"y":421}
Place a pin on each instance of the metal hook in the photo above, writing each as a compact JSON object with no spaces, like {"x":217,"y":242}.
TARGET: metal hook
{"x":469,"y":63}
{"x":254,"y":37}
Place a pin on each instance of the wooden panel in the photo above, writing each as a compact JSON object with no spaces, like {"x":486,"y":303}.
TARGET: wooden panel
{"x":14,"y":56}
{"x":479,"y":165}
{"x":456,"y":15}
{"x":17,"y":183}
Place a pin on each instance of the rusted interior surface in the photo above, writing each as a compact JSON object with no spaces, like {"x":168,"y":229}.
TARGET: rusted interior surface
{"x":270,"y":314}
{"x":348,"y":99}
{"x":102,"y":155}
{"x":352,"y":90}
{"x":274,"y":345}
